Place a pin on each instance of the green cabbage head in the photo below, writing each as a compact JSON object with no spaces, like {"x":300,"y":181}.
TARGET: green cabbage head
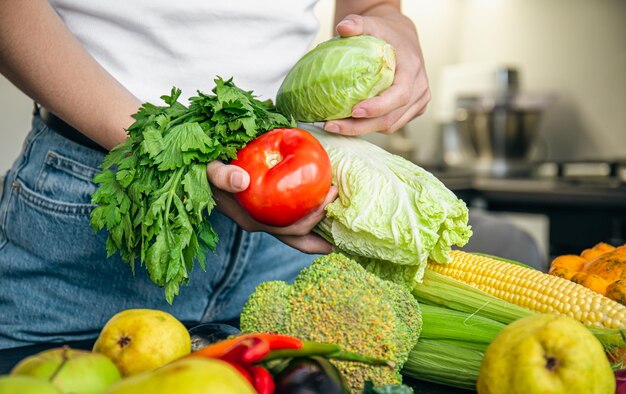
{"x":336,"y":75}
{"x":390,"y":212}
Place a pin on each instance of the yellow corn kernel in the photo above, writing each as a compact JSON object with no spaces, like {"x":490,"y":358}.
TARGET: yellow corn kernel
{"x":533,"y":289}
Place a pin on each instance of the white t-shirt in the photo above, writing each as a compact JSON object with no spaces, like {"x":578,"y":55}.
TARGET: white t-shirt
{"x":152,"y":45}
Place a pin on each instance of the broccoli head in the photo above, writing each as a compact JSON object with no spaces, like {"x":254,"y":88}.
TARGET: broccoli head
{"x":336,"y":300}
{"x":267,"y":308}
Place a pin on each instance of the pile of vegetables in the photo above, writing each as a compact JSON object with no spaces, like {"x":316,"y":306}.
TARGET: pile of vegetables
{"x":393,"y":290}
{"x":154,"y":197}
{"x":492,"y":293}
{"x":283,"y":364}
{"x":335,"y":300}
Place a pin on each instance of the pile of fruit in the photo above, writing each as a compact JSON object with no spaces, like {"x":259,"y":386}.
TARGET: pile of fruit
{"x":150,"y":351}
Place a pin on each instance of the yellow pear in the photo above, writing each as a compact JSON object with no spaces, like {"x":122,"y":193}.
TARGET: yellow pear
{"x":545,"y":354}
{"x":187,"y":376}
{"x":139,"y":340}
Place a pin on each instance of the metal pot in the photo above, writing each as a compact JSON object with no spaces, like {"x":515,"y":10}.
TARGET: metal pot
{"x":501,"y":129}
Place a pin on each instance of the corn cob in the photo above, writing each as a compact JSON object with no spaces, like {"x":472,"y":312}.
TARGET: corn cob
{"x":461,"y":319}
{"x":533,"y":289}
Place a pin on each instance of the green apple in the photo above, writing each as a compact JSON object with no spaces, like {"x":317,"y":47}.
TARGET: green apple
{"x":187,"y":376}
{"x":545,"y":354}
{"x":70,"y":370}
{"x":26,"y":385}
{"x":139,"y":340}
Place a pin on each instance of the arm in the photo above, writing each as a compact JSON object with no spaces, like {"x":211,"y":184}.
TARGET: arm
{"x":408,"y":96}
{"x":42,"y":58}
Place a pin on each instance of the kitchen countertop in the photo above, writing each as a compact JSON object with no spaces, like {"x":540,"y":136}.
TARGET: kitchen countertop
{"x":581,"y":211}
{"x":589,"y":190}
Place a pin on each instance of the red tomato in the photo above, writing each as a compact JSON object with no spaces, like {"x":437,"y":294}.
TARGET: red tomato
{"x":290,"y":176}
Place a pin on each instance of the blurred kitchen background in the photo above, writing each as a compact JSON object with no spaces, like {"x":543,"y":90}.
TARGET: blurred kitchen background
{"x":527,"y":118}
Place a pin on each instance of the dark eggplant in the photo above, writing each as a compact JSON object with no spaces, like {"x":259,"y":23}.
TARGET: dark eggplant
{"x":208,"y":333}
{"x":310,"y":375}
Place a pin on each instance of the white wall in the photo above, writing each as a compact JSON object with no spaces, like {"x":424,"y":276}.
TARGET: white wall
{"x":15,"y":114}
{"x":575,"y":48}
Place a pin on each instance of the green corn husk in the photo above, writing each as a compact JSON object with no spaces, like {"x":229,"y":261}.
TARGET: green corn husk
{"x":444,"y":363}
{"x":444,"y":323}
{"x":451,"y":346}
{"x":480,"y":346}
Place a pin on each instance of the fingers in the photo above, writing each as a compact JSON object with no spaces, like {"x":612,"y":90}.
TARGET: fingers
{"x":351,"y":25}
{"x":297,"y":235}
{"x":416,"y":110}
{"x":306,"y":224}
{"x":310,"y":243}
{"x":409,"y":94}
{"x":385,"y":124}
{"x":227,"y":205}
{"x":227,"y":177}
{"x":409,"y":84}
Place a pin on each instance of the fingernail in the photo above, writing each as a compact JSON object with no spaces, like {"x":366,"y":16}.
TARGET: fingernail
{"x":347,"y":22}
{"x":359,"y":113}
{"x":331,"y":127}
{"x":236,"y":180}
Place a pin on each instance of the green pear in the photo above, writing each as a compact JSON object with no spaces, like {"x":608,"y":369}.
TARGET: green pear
{"x":191,"y":375}
{"x":70,"y":370}
{"x":26,"y":385}
{"x":545,"y":354}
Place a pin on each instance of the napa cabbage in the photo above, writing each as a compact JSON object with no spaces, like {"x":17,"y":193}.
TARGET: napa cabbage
{"x":389,"y":211}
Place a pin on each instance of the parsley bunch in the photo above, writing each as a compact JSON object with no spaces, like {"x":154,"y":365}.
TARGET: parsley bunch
{"x":154,"y":196}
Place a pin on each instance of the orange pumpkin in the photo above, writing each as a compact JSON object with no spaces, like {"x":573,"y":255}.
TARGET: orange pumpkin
{"x":601,"y":268}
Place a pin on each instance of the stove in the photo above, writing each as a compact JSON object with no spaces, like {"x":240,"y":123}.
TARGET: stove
{"x":584,"y":200}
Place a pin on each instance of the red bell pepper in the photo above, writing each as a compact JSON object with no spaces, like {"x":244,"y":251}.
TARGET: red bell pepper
{"x":243,"y":351}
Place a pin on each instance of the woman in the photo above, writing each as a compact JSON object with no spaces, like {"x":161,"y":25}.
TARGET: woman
{"x":89,"y":66}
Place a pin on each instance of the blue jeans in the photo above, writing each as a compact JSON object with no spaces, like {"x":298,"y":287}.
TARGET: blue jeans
{"x":56,"y":282}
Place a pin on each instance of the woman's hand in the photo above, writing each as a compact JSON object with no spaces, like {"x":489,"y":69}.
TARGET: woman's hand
{"x":409,"y":94}
{"x":229,"y":179}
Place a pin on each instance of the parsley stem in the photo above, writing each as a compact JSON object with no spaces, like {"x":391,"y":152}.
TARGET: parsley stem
{"x":189,"y":117}
{"x":170,"y":194}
